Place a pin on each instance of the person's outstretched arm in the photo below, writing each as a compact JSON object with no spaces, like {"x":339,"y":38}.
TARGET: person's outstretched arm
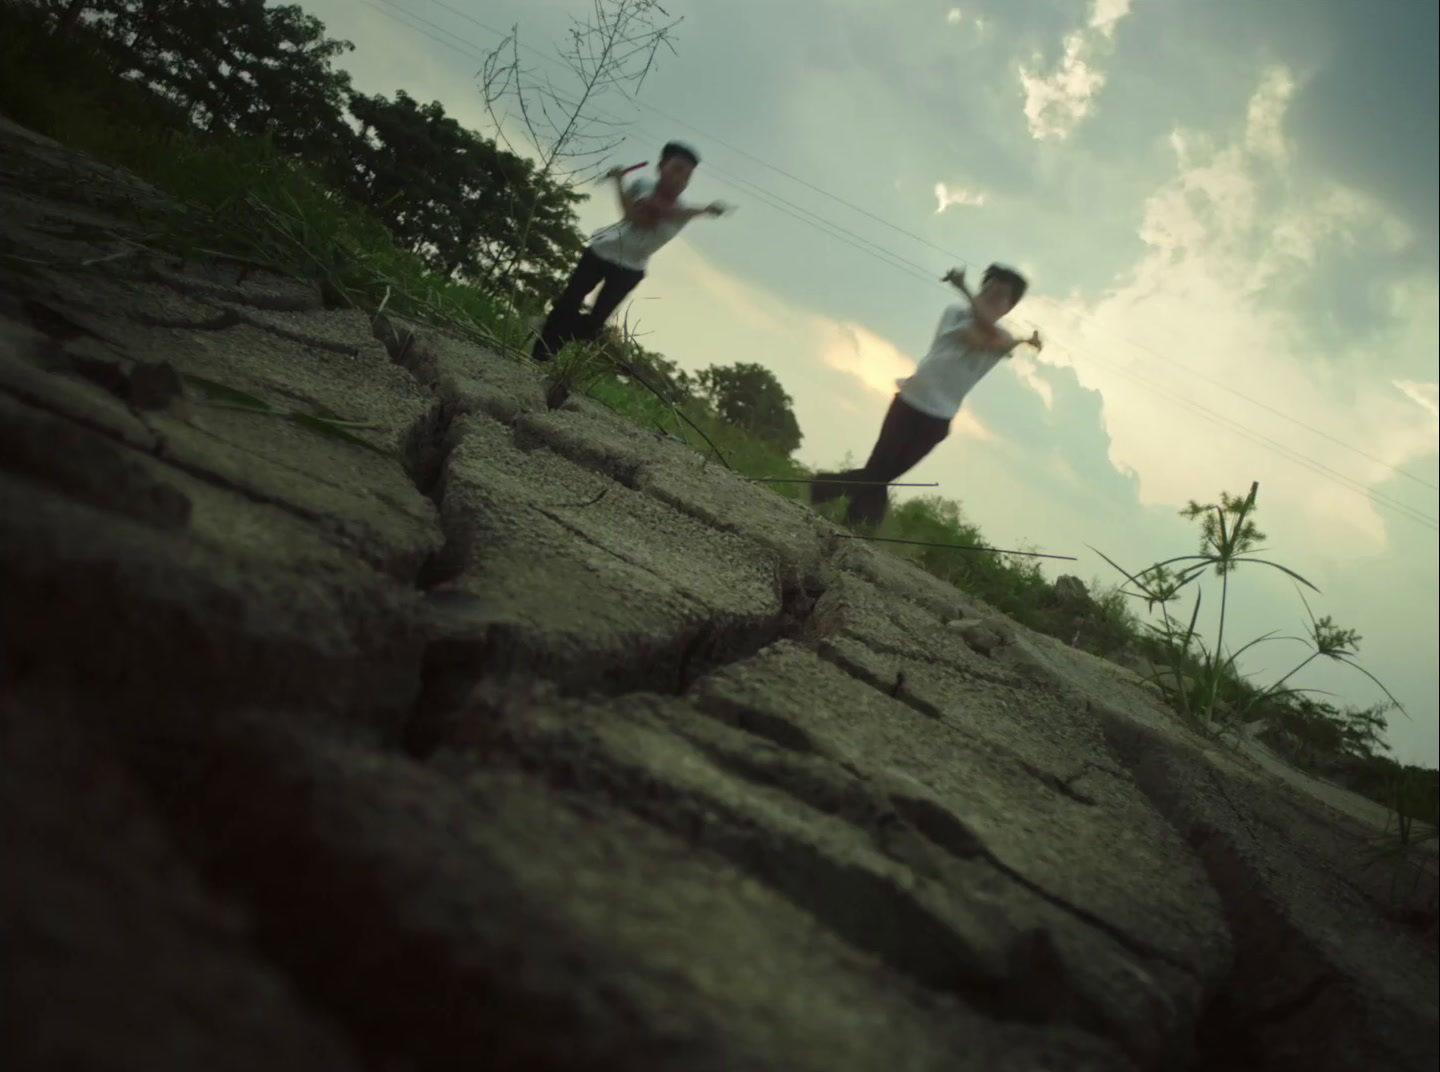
{"x":998,"y":340}
{"x":1008,"y":343}
{"x":688,"y":213}
{"x":956,"y":278}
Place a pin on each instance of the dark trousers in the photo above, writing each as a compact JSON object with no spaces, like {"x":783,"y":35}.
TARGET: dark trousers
{"x":906,"y":436}
{"x":566,"y":321}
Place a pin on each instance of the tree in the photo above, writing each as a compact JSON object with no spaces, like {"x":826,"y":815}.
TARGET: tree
{"x":456,"y":198}
{"x":750,"y":397}
{"x":241,"y":67}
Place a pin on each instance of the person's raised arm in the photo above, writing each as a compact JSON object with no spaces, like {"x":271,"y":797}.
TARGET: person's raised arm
{"x":627,"y":200}
{"x":956,"y":278}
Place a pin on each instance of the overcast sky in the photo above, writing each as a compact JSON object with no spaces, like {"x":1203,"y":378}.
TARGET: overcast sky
{"x":1227,"y":210}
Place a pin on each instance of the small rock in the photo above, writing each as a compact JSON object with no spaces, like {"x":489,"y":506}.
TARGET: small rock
{"x":983,"y":635}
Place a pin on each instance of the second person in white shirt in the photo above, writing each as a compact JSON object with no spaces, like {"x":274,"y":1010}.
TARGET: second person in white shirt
{"x":968,"y":344}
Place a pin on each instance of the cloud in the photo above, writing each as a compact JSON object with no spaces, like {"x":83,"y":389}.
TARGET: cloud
{"x":1030,"y":375}
{"x":1107,"y":15}
{"x":1264,"y":123}
{"x":1201,"y":320}
{"x":1424,"y":395}
{"x":956,"y":195}
{"x":1055,"y":104}
{"x":955,"y":17}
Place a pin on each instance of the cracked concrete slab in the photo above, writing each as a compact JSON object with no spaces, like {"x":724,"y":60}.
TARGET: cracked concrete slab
{"x":477,"y":381}
{"x":636,"y":588}
{"x":870,"y":855}
{"x":1027,"y":823}
{"x":99,"y":603}
{"x":92,"y":887}
{"x":362,"y":500}
{"x":634,"y":950}
{"x":529,"y":734}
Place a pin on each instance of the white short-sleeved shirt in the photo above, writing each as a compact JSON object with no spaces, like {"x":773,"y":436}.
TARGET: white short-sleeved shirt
{"x":629,"y":246}
{"x":947,"y":373}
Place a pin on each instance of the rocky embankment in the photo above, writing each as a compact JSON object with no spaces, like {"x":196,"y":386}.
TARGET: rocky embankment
{"x":511,"y":738}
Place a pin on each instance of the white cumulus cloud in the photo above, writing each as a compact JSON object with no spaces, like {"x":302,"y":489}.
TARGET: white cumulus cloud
{"x":956,"y":195}
{"x":1058,"y":102}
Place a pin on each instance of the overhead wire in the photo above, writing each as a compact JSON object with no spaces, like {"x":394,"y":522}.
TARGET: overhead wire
{"x":916,"y":271}
{"x":1169,"y":363}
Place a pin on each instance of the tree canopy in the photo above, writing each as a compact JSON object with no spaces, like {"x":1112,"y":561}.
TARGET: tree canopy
{"x":749,"y":395}
{"x":245,"y":68}
{"x":455,"y":197}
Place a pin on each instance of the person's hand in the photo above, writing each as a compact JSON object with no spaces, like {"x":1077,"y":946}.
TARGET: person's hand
{"x":1034,"y":340}
{"x":615,"y":173}
{"x":716,"y":208}
{"x":955,"y":277}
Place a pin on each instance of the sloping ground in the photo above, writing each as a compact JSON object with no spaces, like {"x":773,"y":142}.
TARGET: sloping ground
{"x":529,"y":740}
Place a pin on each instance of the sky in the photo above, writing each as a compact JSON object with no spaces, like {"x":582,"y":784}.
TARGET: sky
{"x":1226,"y":209}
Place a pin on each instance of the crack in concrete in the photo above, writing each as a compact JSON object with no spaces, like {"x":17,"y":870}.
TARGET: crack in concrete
{"x":318,"y":342}
{"x":223,"y":320}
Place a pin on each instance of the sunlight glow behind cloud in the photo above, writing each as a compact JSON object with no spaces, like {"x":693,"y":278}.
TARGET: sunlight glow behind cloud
{"x":877,"y":364}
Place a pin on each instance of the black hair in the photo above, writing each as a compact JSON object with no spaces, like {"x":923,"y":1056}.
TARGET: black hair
{"x":998,"y":273}
{"x":674,"y":148}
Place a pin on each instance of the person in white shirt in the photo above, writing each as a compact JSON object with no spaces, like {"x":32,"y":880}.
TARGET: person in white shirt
{"x":967,"y":345}
{"x":617,"y":256}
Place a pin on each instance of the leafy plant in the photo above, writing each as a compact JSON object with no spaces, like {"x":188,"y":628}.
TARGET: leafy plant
{"x":1194,"y":670}
{"x":1411,"y":794}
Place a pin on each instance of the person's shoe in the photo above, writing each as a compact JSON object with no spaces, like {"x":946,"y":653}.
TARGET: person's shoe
{"x":827,"y":488}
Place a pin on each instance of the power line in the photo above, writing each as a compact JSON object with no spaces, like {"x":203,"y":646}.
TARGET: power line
{"x":1169,"y":363}
{"x":777,"y":203}
{"x":719,"y":141}
{"x":829,"y":227}
{"x":916,"y":271}
{"x":1148,"y":351}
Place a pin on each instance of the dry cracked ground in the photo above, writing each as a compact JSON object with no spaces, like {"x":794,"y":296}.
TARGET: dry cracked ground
{"x":524,"y":739}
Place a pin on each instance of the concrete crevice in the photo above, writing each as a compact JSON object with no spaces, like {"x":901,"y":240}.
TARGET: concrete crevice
{"x":429,"y":441}
{"x":294,"y":300}
{"x":894,"y":688}
{"x":455,"y":664}
{"x":1281,"y":1006}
